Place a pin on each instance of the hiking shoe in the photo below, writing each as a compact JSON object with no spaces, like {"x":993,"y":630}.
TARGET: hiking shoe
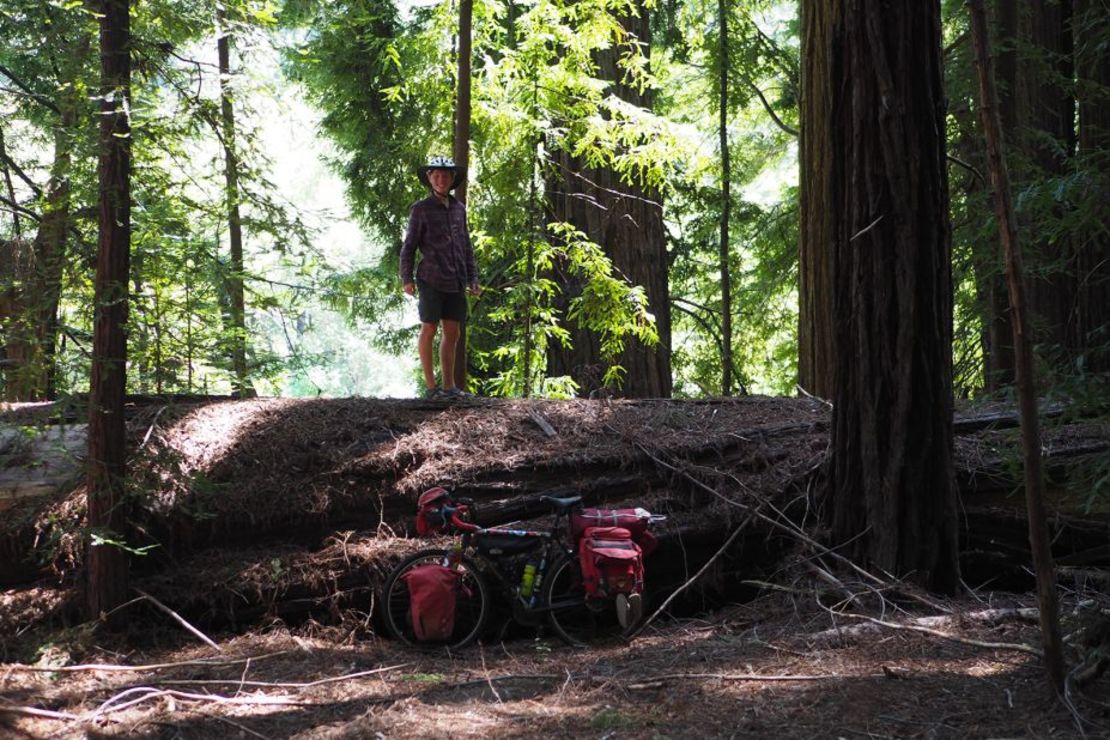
{"x":630,"y":608}
{"x":435,"y":394}
{"x":457,"y":394}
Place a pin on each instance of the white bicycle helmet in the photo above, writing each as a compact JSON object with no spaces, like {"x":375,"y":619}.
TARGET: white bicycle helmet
{"x":441,"y":163}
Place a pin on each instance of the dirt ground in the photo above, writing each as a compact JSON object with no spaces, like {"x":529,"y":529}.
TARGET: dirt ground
{"x":781,"y":665}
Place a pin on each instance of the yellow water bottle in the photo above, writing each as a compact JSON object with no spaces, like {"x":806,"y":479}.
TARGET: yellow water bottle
{"x":527,"y":580}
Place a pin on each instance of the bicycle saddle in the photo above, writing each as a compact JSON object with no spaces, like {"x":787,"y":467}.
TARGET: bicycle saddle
{"x":562,"y":505}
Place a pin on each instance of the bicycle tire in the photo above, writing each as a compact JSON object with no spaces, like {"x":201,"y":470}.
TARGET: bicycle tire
{"x":571,"y":618}
{"x":471,"y":606}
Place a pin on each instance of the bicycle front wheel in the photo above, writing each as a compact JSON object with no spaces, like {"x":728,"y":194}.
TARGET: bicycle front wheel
{"x":575,"y":619}
{"x":471,"y":601}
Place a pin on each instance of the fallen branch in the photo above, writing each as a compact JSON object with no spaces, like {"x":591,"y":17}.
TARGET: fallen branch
{"x":107,"y":667}
{"x":542,"y":423}
{"x":954,"y":638}
{"x":36,"y":712}
{"x":735,"y":533}
{"x":788,"y":527}
{"x":150,"y":430}
{"x":984,"y":617}
{"x":508,"y":677}
{"x":179,"y":619}
{"x":655,"y":681}
{"x":152,"y":693}
{"x":272,"y":684}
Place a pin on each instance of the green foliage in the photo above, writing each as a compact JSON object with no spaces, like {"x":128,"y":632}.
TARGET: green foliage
{"x":179,"y":340}
{"x":763,"y":226}
{"x":388,"y":103}
{"x":382,"y":76}
{"x":607,"y":306}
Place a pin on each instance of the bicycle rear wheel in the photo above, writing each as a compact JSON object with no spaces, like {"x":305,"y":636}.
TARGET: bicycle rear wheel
{"x":471,"y":601}
{"x":575,"y":620}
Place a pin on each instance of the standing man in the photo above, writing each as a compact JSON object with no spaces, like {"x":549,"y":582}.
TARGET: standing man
{"x":447,"y":270}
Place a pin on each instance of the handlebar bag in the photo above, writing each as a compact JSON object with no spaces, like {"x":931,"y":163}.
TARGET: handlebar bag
{"x":432,"y":593}
{"x":636,"y":521}
{"x":611,"y":562}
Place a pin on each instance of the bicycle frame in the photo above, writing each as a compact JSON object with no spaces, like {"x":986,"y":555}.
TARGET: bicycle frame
{"x":552,"y":546}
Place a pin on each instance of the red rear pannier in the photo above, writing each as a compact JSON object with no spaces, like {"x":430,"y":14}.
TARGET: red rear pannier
{"x":432,"y":592}
{"x":611,"y":562}
{"x":634,"y":520}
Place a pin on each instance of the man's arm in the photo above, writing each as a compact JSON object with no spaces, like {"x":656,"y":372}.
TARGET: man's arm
{"x":471,"y":262}
{"x":408,"y":250}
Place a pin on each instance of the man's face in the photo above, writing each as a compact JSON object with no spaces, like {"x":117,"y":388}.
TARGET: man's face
{"x":441,"y":180}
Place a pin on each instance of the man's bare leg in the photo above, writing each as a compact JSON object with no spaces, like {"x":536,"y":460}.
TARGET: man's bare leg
{"x":425,"y":345}
{"x":447,"y":352}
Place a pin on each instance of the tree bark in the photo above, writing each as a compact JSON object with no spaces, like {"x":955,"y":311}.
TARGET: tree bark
{"x":892,"y":482}
{"x":726,"y":205}
{"x":627,"y":221}
{"x":107,"y":563}
{"x":999,"y":358}
{"x":815,"y":244}
{"x":1027,"y":395}
{"x":1050,"y":142}
{"x":33,"y":328}
{"x":1093,"y":251}
{"x":240,"y":382}
{"x":461,"y":150}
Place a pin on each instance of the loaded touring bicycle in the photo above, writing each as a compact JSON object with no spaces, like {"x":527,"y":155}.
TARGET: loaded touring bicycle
{"x":584,"y":576}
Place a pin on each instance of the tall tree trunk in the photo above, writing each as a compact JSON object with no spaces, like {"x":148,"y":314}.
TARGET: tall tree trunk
{"x":1051,"y":144}
{"x":892,"y":482}
{"x":815,"y":244}
{"x":1030,"y":424}
{"x":726,"y":205}
{"x":1000,"y":359}
{"x":34,"y":329}
{"x":626,"y":220}
{"x":1093,"y":250}
{"x":241,"y":384}
{"x":461,"y":150}
{"x":107,"y":563}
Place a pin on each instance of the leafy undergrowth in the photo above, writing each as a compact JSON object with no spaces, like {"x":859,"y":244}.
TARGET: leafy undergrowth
{"x":782,"y":665}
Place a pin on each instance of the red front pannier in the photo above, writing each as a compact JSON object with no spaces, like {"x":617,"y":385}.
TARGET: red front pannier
{"x":636,"y":521}
{"x":432,"y":592}
{"x":612,"y":563}
{"x":431,"y":517}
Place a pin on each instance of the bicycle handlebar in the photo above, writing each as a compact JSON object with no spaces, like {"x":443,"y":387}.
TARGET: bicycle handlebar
{"x":458,"y":523}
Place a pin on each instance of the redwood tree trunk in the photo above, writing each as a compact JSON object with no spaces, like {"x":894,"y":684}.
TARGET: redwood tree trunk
{"x":726,"y":205}
{"x":1050,"y":144}
{"x":892,"y":486}
{"x":815,"y":245}
{"x":627,"y":221}
{"x":999,"y":358}
{"x":1092,"y":267}
{"x":461,"y":150}
{"x":107,"y":563}
{"x":240,"y":382}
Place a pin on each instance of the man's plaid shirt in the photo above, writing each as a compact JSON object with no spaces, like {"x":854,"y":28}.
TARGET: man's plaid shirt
{"x":440,"y":233}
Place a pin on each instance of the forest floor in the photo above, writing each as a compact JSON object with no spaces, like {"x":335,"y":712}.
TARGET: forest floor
{"x":274,"y":522}
{"x":775,"y":666}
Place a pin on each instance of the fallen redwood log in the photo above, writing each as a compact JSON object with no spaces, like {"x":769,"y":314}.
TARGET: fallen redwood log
{"x":226,"y":473}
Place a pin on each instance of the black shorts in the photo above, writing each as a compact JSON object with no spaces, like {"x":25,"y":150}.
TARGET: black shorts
{"x":434,"y":305}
